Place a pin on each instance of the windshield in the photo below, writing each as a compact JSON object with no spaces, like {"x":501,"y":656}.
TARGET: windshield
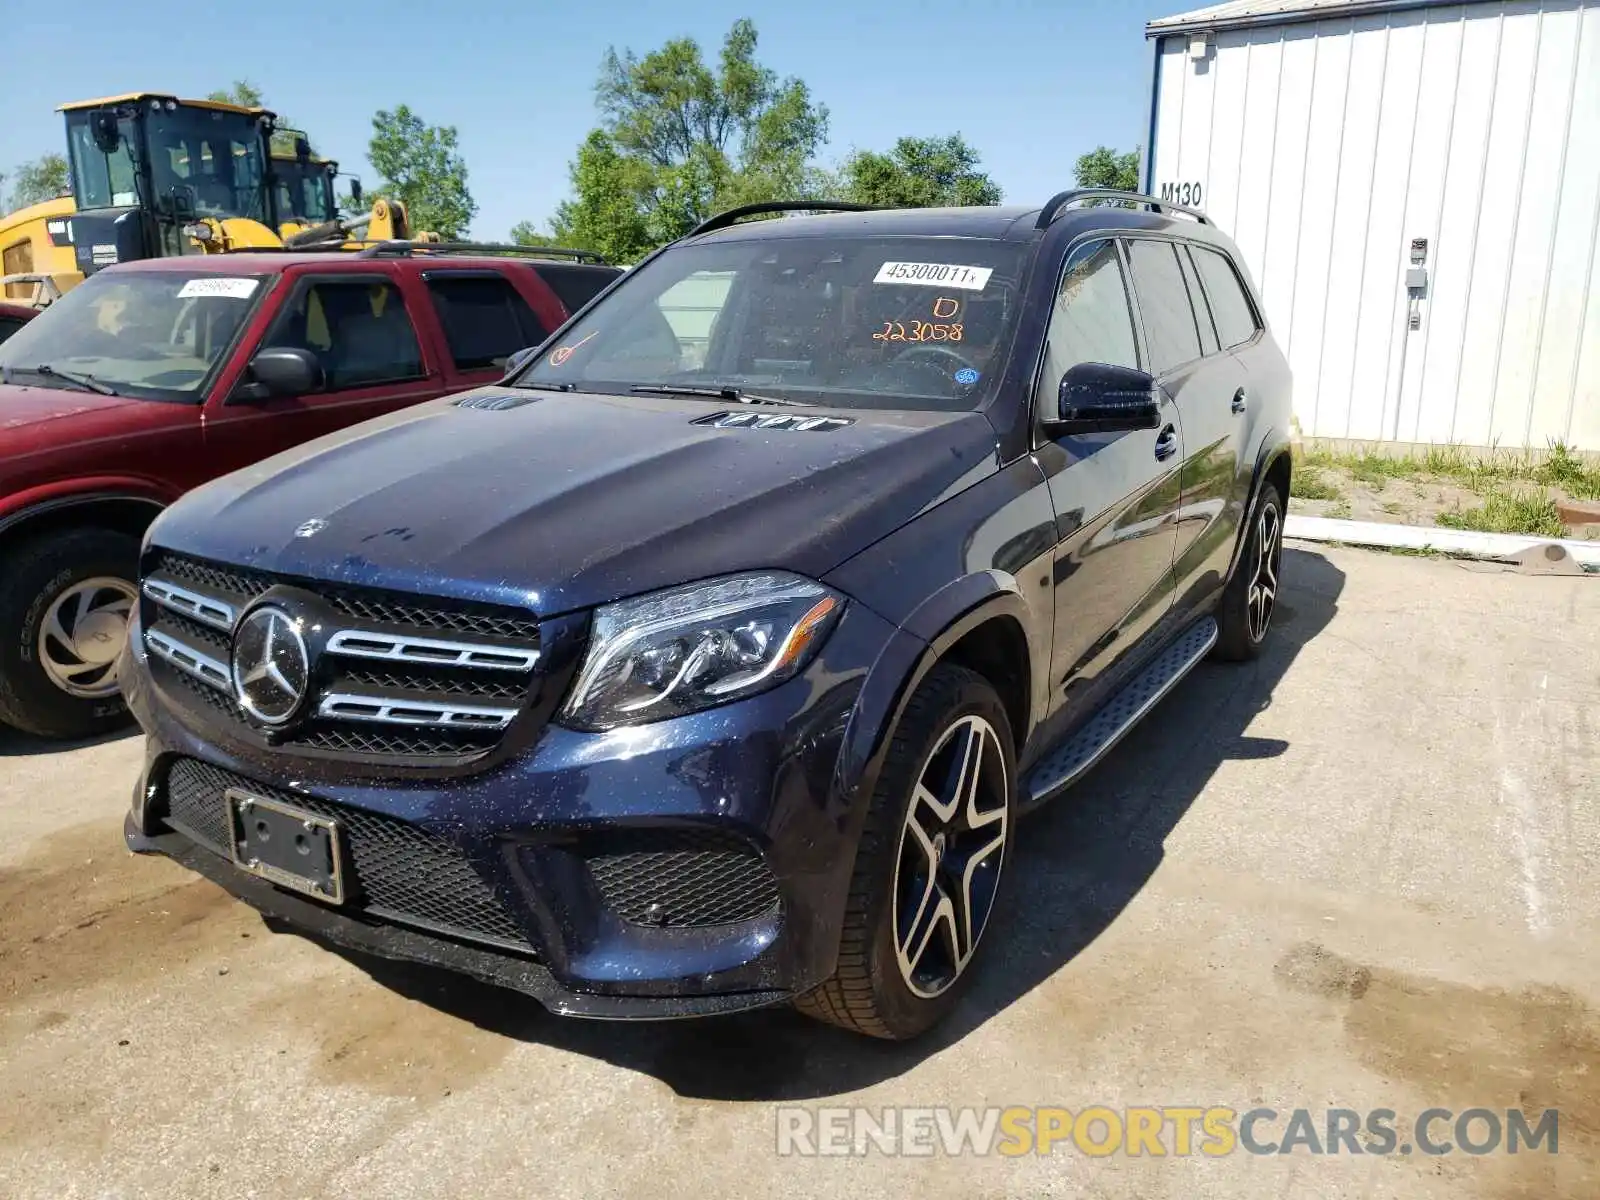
{"x":863,"y":322}
{"x":305,"y":193}
{"x":157,"y":335}
{"x":203,"y":160}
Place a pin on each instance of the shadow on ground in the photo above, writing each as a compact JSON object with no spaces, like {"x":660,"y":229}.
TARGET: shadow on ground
{"x":16,"y":744}
{"x":1081,"y":862}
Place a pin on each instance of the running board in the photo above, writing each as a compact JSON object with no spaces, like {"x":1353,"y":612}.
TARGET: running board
{"x":1089,"y":742}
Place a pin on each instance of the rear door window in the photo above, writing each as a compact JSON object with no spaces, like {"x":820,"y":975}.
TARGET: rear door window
{"x":485,"y":318}
{"x":1169,"y":323}
{"x":1236,"y":319}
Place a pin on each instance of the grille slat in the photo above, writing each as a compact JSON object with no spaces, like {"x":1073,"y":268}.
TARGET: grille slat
{"x":682,"y":878}
{"x":483,"y":657}
{"x":397,"y":869}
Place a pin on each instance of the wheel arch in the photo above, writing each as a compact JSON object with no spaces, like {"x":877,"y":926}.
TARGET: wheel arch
{"x":980,"y":622}
{"x":1274,"y":464}
{"x":122,"y":511}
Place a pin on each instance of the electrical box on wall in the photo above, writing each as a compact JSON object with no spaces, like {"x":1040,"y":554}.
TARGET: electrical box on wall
{"x":1419,"y":251}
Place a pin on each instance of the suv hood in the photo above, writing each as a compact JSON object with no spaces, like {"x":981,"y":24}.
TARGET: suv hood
{"x":561,"y":501}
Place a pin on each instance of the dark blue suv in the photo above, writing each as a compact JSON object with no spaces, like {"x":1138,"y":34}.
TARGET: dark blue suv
{"x":710,"y":660}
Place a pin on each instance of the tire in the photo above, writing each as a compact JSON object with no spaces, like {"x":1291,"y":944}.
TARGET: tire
{"x":46,"y":578}
{"x":1243,"y":629}
{"x":870,"y":992}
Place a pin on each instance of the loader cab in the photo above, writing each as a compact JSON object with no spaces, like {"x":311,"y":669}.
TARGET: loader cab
{"x":304,"y":188}
{"x":145,"y":166}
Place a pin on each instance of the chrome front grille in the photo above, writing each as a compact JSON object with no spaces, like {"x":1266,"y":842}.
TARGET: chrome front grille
{"x":398,"y":677}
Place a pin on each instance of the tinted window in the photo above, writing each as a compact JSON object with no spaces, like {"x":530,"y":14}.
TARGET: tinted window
{"x":359,"y":332}
{"x":1236,"y":321}
{"x":8,"y":326}
{"x":845,"y":319}
{"x":485,"y":319}
{"x":1091,"y":321}
{"x":1164,"y":303}
{"x":1197,"y":297}
{"x":574,"y":284}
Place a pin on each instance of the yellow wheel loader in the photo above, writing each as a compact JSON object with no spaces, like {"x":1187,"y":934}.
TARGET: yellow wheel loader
{"x":154,"y":176}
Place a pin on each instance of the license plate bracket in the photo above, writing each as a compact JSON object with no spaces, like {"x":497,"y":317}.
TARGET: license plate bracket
{"x":286,"y":845}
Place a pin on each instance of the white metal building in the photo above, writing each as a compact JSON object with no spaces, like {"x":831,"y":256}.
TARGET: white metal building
{"x":1415,"y":186}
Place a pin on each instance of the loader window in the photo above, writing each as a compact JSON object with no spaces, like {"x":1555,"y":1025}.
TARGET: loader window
{"x":100,"y":180}
{"x":485,"y":319}
{"x":359,"y":331}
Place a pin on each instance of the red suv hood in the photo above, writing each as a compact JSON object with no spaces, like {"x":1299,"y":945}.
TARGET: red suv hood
{"x":22,"y":407}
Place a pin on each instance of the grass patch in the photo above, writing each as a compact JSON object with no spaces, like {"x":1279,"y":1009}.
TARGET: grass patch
{"x":1308,"y":483}
{"x":1392,"y":507}
{"x":1508,"y":512}
{"x":1339,"y":511}
{"x":1485,"y":474}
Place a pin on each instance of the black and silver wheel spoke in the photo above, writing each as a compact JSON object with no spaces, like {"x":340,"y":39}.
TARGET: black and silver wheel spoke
{"x":952,"y":847}
{"x":1263,"y":593}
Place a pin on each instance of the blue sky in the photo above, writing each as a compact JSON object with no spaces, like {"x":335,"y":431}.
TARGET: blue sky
{"x":1031,"y":84}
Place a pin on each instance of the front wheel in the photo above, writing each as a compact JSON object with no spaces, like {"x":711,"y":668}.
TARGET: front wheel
{"x":1244,"y":614}
{"x":65,"y":600}
{"x":929,"y":863}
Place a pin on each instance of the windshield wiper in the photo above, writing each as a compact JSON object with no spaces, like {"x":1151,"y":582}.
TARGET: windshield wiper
{"x":88,"y":382}
{"x":716,"y":393}
{"x":547,"y":387}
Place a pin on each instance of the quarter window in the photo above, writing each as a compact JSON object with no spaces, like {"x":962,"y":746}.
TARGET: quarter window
{"x":1169,"y":323}
{"x":485,"y":319}
{"x":359,"y":332}
{"x":1236,"y":320}
{"x":1091,"y":320}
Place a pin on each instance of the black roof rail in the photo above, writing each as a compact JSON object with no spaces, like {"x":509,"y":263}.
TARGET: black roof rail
{"x":1061,"y":200}
{"x":403,"y":249}
{"x":724,"y":219}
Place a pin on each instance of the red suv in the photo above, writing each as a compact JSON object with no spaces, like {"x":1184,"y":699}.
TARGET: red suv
{"x":151,"y":378}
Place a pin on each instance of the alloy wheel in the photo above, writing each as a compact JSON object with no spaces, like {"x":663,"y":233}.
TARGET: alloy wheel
{"x":82,"y":635}
{"x":1263,"y":593}
{"x":952,"y":848}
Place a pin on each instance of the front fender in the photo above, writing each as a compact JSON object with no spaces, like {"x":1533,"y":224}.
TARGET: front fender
{"x":938,"y":623}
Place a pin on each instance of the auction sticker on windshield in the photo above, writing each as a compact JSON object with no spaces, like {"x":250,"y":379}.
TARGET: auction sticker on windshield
{"x":935,"y":275}
{"x":233,"y":289}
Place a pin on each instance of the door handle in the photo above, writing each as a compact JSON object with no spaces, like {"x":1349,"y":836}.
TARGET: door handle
{"x":1239,"y":401}
{"x":1166,"y":444}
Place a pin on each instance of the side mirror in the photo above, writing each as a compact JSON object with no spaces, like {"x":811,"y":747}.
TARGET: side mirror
{"x":1100,"y":398}
{"x":355,"y":191}
{"x":104,"y":130}
{"x":286,"y":371}
{"x":302,"y":149}
{"x":516,"y":360}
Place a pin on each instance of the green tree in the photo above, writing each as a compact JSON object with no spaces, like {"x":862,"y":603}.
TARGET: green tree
{"x":32,"y":182}
{"x":679,"y":140}
{"x":918,"y":173}
{"x":421,"y":166}
{"x":1103,"y":167}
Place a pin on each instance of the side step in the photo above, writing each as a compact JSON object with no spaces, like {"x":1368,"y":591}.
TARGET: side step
{"x":1088,"y":743}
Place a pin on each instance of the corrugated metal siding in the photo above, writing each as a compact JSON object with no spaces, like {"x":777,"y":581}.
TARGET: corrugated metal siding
{"x":1326,"y":147}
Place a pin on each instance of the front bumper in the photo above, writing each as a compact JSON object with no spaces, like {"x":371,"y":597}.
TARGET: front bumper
{"x":763,"y":771}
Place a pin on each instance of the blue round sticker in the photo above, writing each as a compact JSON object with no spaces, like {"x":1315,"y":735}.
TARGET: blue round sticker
{"x":966,"y":376}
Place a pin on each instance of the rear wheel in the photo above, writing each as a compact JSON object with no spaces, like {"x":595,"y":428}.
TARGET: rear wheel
{"x":929,"y":863}
{"x":1244,"y":614}
{"x":64,"y":607}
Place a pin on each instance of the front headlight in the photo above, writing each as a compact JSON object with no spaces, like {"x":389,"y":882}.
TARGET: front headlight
{"x":687,"y":648}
